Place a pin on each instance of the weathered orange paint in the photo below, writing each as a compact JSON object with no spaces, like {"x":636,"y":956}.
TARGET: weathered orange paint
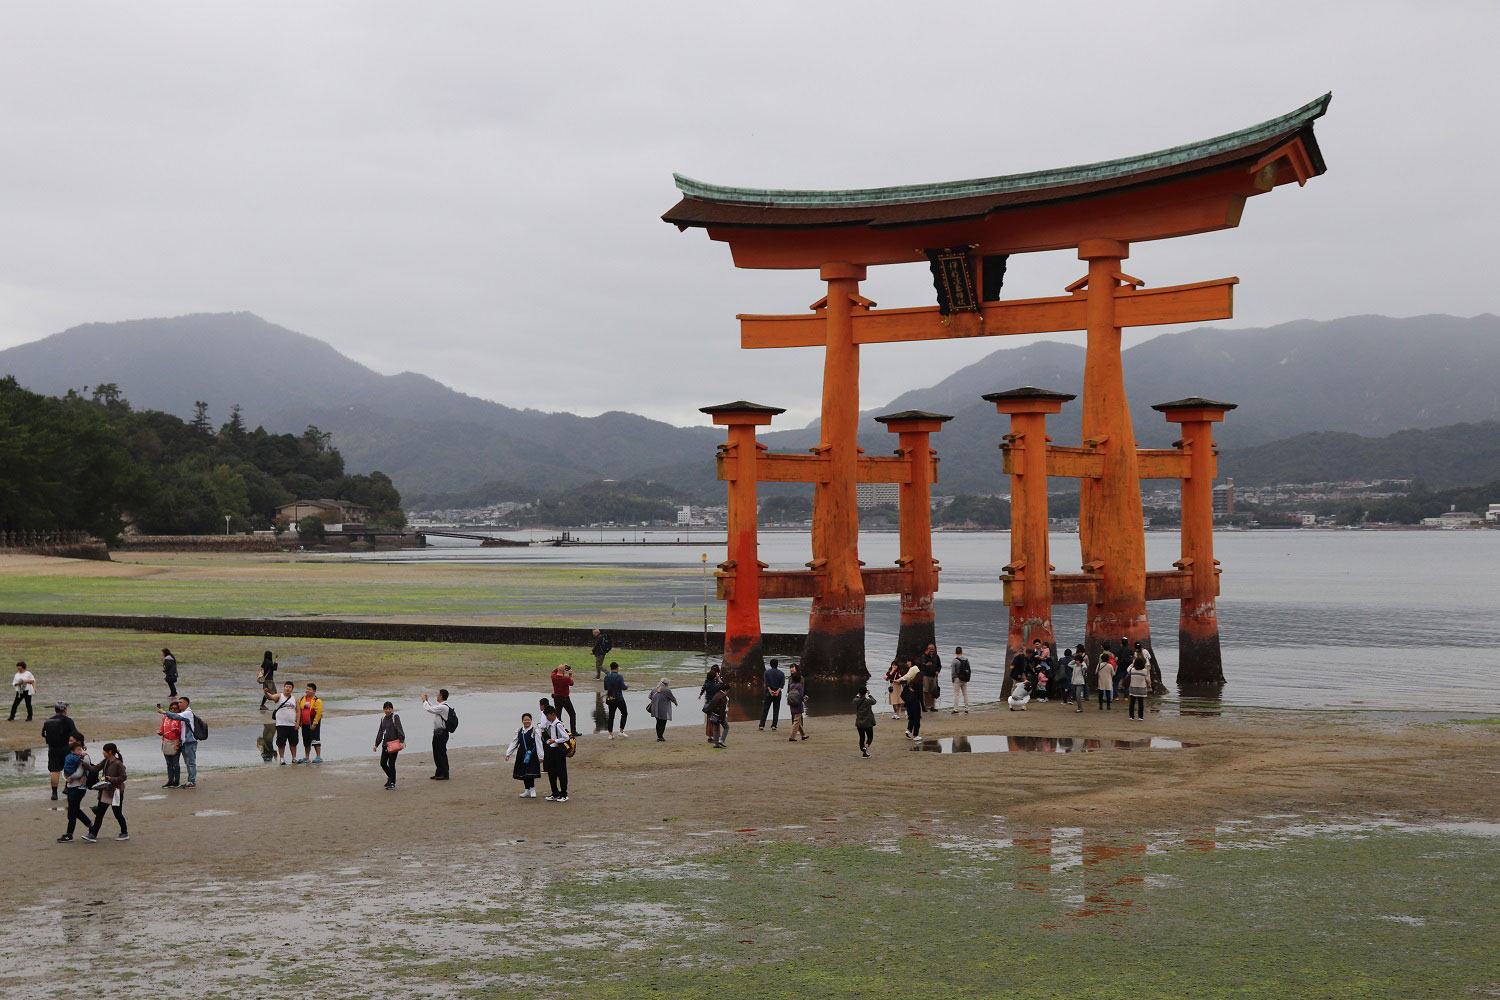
{"x":835,"y":646}
{"x":918,"y":625}
{"x":1200,"y":302}
{"x":1028,"y":575}
{"x":743,"y":661}
{"x":1199,"y":658}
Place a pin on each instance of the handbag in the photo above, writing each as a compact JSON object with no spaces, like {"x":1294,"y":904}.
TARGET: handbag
{"x":394,"y":746}
{"x":170,"y":747}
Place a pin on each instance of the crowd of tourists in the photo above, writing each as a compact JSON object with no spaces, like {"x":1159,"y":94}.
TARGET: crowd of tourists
{"x":544,"y":742}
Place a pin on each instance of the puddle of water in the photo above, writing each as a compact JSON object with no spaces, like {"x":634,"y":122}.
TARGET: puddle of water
{"x":1043,"y":744}
{"x":217,"y":812}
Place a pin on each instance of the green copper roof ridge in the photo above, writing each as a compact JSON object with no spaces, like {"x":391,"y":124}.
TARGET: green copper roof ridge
{"x":1003,"y":184}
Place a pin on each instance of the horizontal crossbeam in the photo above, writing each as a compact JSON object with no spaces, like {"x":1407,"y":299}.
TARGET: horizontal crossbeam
{"x":794,"y":583}
{"x":1083,"y":588}
{"x":1196,"y":303}
{"x":782,"y":468}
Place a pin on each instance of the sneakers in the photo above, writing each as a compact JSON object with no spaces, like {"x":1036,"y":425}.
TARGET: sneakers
{"x":611,"y":735}
{"x":762,"y":727}
{"x":89,"y":838}
{"x":318,"y":759}
{"x":624,"y":735}
{"x":169,"y":785}
{"x":954,"y":712}
{"x":553,"y":798}
{"x":65,"y":839}
{"x":563,"y":799}
{"x":190,"y":784}
{"x":123,"y":836}
{"x":661,"y":739}
{"x":283,"y":763}
{"x":721,"y":746}
{"x":389,"y":785}
{"x":54,"y":795}
{"x":525,"y":794}
{"x":865,"y":754}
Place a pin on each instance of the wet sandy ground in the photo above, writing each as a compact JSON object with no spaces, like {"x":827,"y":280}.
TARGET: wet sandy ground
{"x":262,"y":865}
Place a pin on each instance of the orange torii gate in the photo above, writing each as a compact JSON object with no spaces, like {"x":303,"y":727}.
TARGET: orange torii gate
{"x":966,"y":232}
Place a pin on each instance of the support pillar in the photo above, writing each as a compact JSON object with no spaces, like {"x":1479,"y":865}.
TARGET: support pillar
{"x":918,"y":623}
{"x":1199,"y":660}
{"x":1111,"y":527}
{"x":835,"y":646}
{"x":743,"y":662}
{"x":1028,"y":576}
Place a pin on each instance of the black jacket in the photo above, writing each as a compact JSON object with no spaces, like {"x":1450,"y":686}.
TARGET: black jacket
{"x":56,"y":730}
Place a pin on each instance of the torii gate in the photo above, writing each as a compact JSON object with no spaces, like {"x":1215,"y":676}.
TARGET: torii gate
{"x":966,"y":231}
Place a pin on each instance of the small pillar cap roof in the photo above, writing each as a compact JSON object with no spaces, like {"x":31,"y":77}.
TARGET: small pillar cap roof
{"x":1194,"y":403}
{"x":742,"y":406}
{"x":1027,"y":392}
{"x":891,"y":418}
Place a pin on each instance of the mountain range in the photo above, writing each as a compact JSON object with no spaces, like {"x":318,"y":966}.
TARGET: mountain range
{"x":1358,"y":378}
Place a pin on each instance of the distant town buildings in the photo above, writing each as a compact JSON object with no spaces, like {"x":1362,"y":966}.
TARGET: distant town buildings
{"x":331,"y":512}
{"x":1455,"y":519}
{"x":1223,"y":499}
{"x":868,"y":495}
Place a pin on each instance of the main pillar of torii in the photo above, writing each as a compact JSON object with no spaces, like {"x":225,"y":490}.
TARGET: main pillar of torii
{"x":966,"y":231}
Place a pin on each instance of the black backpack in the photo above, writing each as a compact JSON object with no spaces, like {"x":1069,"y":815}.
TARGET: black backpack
{"x":451,"y":723}
{"x":200,"y":728}
{"x":606,"y":641}
{"x":963,"y":669}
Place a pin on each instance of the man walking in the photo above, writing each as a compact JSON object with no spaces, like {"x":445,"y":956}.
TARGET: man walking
{"x":614,"y":698}
{"x":555,"y":737}
{"x":562,"y":681}
{"x":57,"y":732}
{"x":602,"y":645}
{"x":775,"y":681}
{"x":961,"y":672}
{"x":440,"y":713}
{"x":284,"y":714}
{"x":25,"y":684}
{"x":169,"y":671}
{"x":189,"y":737}
{"x":310,"y":718}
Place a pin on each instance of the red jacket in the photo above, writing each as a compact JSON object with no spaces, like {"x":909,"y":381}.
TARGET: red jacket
{"x":560,"y":684}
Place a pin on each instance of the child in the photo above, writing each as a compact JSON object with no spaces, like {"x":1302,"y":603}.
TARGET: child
{"x":1041,"y":685}
{"x":864,"y":720}
{"x":526,"y":747}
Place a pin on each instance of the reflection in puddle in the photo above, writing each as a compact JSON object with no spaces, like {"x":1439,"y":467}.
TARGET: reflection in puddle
{"x":1044,"y":744}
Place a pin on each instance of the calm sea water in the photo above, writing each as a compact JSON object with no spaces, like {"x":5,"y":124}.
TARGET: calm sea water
{"x":1323,"y":619}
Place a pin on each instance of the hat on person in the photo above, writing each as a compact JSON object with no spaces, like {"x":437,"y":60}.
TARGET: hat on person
{"x":61,"y":706}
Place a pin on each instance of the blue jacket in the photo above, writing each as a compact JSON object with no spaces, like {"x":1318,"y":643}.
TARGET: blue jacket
{"x":614,"y":684}
{"x":775,"y":680}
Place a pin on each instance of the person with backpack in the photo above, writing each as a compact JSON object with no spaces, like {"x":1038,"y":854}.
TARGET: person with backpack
{"x":774,"y":681}
{"x":284,"y":713}
{"x":266,"y":678}
{"x":76,"y":770}
{"x":25,"y":684}
{"x":557,"y":744}
{"x":796,"y":703}
{"x":442,"y":715}
{"x":712,"y":683}
{"x":911,"y":697}
{"x":614,"y":698}
{"x":57,"y":731}
{"x":169,"y":671}
{"x":864,"y":720}
{"x":390,"y":740}
{"x":111,"y":786}
{"x":170,"y":732}
{"x":310,"y":719}
{"x":961,"y":672}
{"x":562,"y":682}
{"x":718,"y":718}
{"x":659,"y":707}
{"x":526,"y":747}
{"x":193,"y":730}
{"x":601,"y":647}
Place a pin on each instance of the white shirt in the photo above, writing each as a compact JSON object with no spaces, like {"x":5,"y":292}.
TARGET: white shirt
{"x":439,"y":715}
{"x":286,"y":710}
{"x":24,"y":682}
{"x":556,"y":733}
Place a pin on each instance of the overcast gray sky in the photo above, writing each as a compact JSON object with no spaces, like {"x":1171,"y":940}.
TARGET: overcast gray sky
{"x":472,"y":190}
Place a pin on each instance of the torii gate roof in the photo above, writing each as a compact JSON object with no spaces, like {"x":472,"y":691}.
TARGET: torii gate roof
{"x":761,"y":224}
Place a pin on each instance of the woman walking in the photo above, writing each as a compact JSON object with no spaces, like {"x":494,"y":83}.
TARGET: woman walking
{"x":659,"y":706}
{"x":390,"y":739}
{"x":1104,"y":680}
{"x":1138,"y":679}
{"x":170,"y":731}
{"x":718,"y":718}
{"x":526,"y":747}
{"x":796,"y":701}
{"x":911,"y":696}
{"x":864,"y":720}
{"x":169,"y":671}
{"x":111,"y":786}
{"x":266,"y":678}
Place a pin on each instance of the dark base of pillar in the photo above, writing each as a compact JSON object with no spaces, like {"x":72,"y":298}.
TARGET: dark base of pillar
{"x":1199,"y":661}
{"x":835,"y":655}
{"x":914,"y":638}
{"x":744,"y":663}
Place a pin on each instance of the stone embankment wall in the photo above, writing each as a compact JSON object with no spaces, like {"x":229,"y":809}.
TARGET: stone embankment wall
{"x":62,"y":544}
{"x":198,"y":543}
{"x":775,"y":644}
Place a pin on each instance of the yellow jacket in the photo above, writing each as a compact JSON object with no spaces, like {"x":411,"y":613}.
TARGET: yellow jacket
{"x":317,"y":708}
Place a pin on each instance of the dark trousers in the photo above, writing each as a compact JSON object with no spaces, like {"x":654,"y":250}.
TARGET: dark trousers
{"x":661,"y":728}
{"x":564,"y":703}
{"x":388,"y":764}
{"x":914,"y":718}
{"x":171,"y":680}
{"x":20,"y":697}
{"x":1106,"y":699}
{"x":99,"y":812}
{"x":174,"y":767}
{"x":866,"y":736}
{"x":557,"y":771}
{"x":617,"y":704}
{"x":440,"y":752}
{"x":1137,"y":705}
{"x":75,"y":808}
{"x":772,"y":708}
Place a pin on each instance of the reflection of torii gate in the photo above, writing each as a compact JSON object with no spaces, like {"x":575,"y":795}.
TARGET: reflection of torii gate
{"x":966,"y":230}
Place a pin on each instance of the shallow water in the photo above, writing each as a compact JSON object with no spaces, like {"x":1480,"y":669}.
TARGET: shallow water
{"x":1043,"y":744}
